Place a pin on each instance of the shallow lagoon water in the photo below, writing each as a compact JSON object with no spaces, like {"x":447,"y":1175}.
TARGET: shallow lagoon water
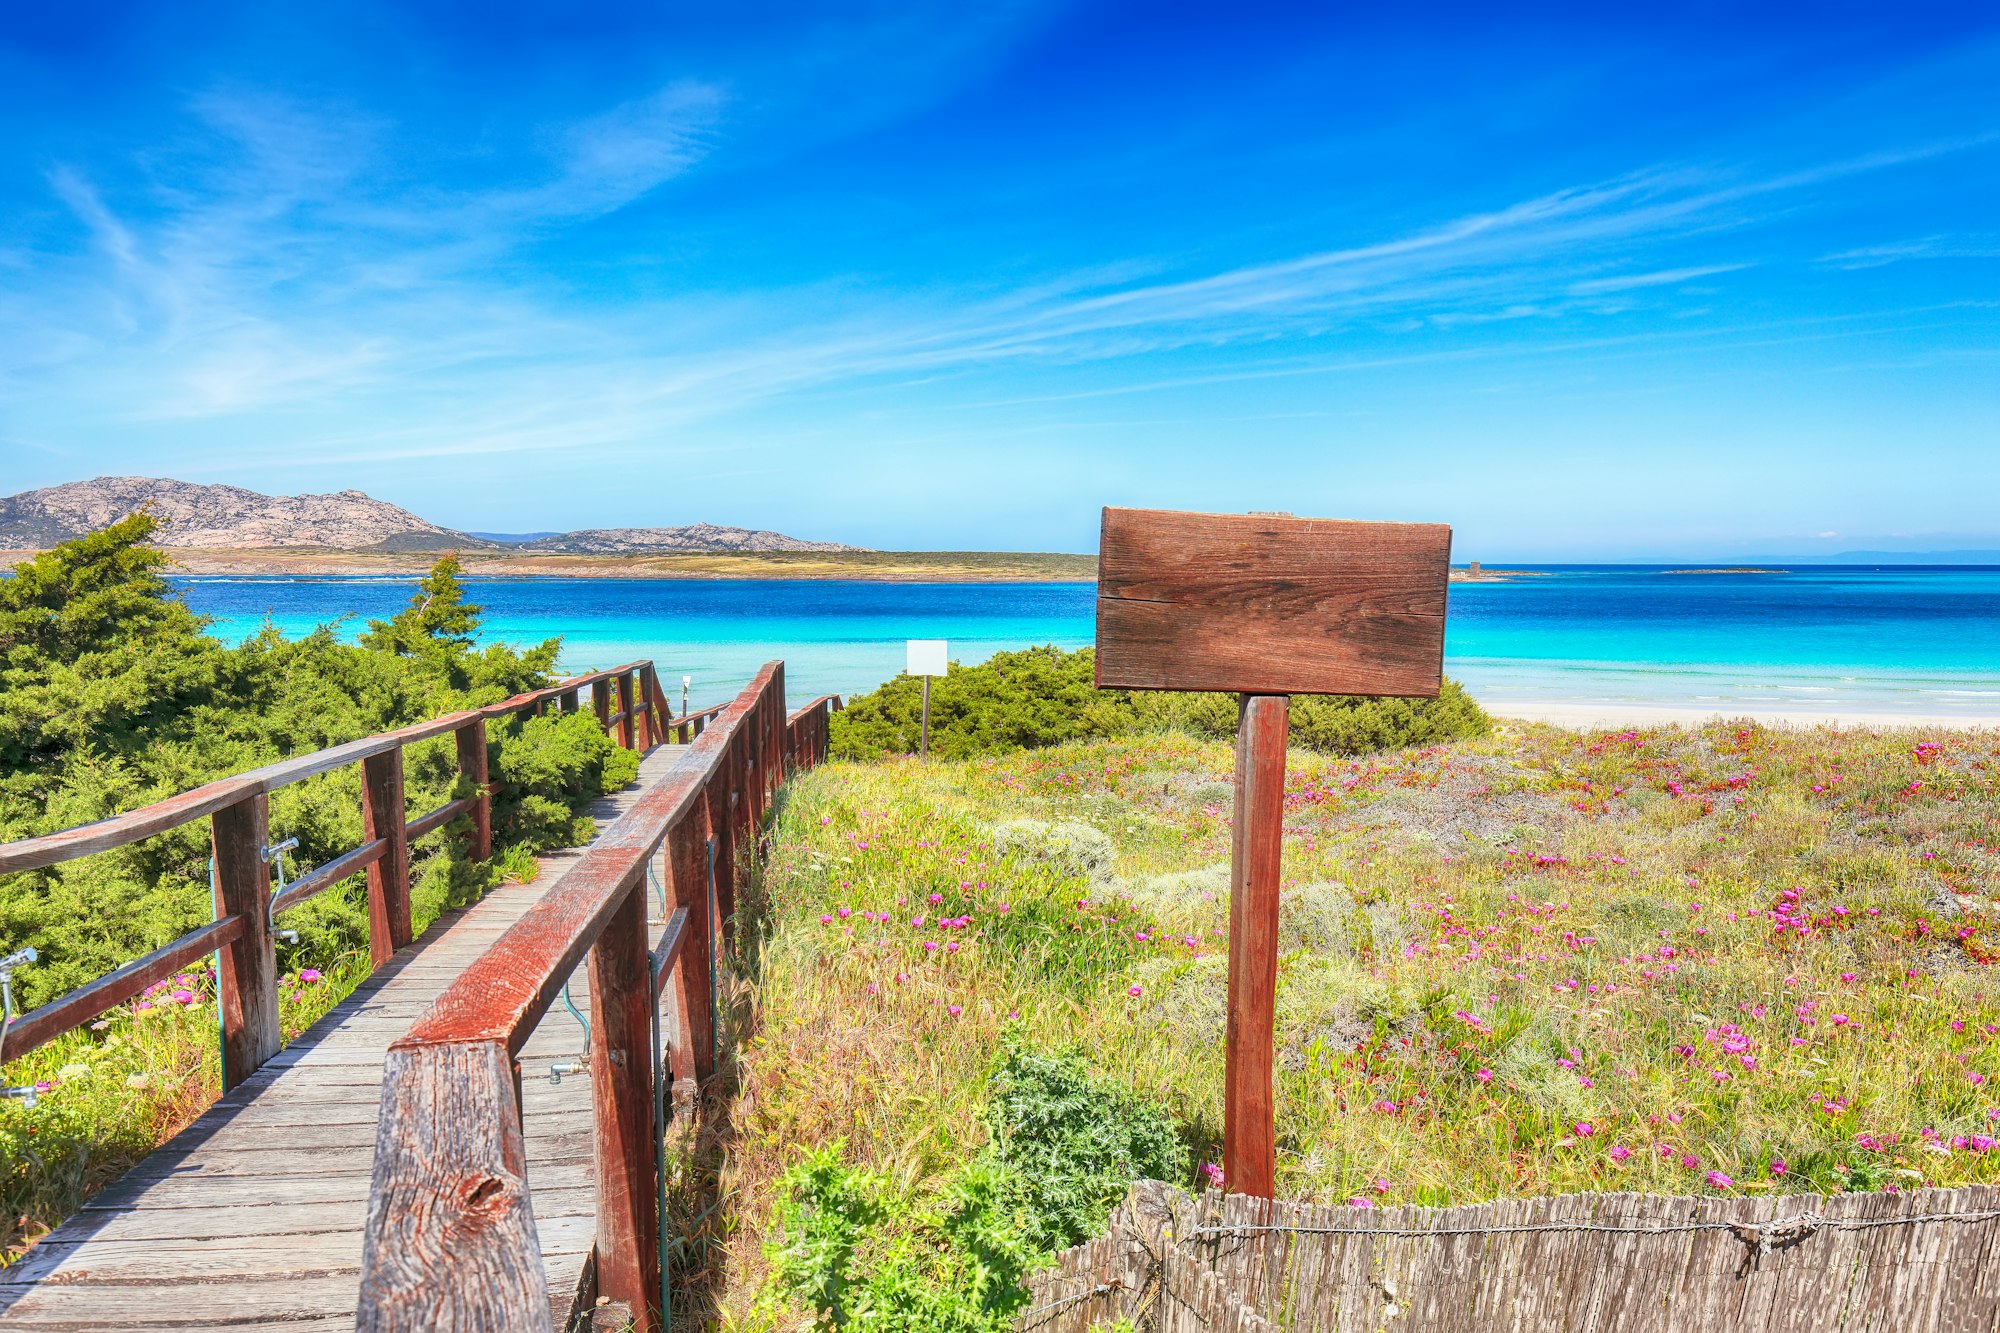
{"x":1922,"y":641}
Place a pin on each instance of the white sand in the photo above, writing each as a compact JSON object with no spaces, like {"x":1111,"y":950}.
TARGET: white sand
{"x":1624,"y":715}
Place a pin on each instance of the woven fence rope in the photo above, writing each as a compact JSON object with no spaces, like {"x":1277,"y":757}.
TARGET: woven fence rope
{"x":1921,"y":1261}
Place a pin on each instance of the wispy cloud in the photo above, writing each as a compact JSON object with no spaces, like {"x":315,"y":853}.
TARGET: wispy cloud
{"x":285,"y":279}
{"x":1661,"y":278}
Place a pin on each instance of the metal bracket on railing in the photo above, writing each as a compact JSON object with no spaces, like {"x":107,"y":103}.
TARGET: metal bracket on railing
{"x":581,"y":1065}
{"x":274,"y":856}
{"x":653,"y":878}
{"x":28,"y":1094}
{"x":714,"y":933}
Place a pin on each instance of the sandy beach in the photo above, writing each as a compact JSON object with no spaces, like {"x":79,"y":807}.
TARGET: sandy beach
{"x":1604,"y":714}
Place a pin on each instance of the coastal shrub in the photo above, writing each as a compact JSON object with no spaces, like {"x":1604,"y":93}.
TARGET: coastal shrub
{"x":1069,"y":1144}
{"x":1063,"y":1148}
{"x":1044,"y":696}
{"x":113,"y":695}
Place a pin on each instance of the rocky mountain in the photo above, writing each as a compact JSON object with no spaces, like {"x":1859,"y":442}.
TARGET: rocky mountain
{"x":230,"y":518}
{"x":218,"y":517}
{"x":694,"y":537}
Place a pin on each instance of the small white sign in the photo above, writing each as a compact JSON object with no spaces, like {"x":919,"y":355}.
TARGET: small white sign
{"x":927,"y":657}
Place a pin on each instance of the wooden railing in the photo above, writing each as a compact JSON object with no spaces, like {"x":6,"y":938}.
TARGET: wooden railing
{"x":242,"y":933}
{"x":451,"y":1240}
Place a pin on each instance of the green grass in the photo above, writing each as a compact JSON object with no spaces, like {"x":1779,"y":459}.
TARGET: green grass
{"x":1539,"y":962}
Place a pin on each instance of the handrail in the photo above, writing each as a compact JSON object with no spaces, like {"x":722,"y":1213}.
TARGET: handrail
{"x":237,"y":808}
{"x":451,"y":1238}
{"x":122,"y":830}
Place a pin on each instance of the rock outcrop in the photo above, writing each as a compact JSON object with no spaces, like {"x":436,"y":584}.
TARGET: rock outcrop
{"x":695,"y":537}
{"x":230,"y":518}
{"x":219,"y":517}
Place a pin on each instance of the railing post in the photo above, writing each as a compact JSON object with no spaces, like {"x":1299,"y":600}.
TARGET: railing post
{"x":247,"y":977}
{"x":727,"y":800}
{"x":649,"y":692}
{"x":687,"y":869}
{"x":1249,"y":1159}
{"x":628,"y":704}
{"x":567,"y":701}
{"x":382,"y":816}
{"x":600,"y":703}
{"x":621,"y":1077}
{"x":471,"y":739}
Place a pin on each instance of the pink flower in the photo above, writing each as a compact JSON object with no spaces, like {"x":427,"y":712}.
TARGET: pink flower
{"x":1584,"y":1129}
{"x":1360,"y":1203}
{"x":1717,"y":1180}
{"x":873,"y":988}
{"x":954,"y":1009}
{"x":1213,"y":1172}
{"x":1133,"y":991}
{"x":1484,"y":1075}
{"x":825,"y":919}
{"x":937,"y":897}
{"x":183,"y":997}
{"x":1778,"y":1167}
{"x":1619,"y":1152}
{"x":845,"y":912}
{"x":951,"y":947}
{"x":308,"y":976}
{"x":902,"y":976}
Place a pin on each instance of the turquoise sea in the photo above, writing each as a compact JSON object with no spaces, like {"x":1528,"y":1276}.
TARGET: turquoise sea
{"x":1909,"y":640}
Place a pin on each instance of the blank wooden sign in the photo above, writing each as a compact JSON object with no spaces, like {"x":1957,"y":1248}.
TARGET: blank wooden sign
{"x":1270,"y":604}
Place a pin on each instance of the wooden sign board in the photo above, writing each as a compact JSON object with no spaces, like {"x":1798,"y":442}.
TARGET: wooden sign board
{"x":1270,"y":604}
{"x":1265,"y":606}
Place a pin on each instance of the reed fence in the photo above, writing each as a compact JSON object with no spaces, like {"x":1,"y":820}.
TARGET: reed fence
{"x":1916,"y":1261}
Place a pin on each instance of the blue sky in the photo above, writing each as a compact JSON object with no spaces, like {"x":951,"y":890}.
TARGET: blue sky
{"x":1586,"y":285}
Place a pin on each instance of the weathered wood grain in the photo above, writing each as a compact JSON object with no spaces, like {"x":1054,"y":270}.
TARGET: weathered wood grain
{"x":1664,"y":1265}
{"x":384,"y":818}
{"x":621,"y":1076}
{"x":1255,"y":865}
{"x":247,"y":967}
{"x":453,"y":1196}
{"x":1270,"y":604}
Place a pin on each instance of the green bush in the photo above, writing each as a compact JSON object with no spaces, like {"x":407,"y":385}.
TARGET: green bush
{"x":1068,"y":1145}
{"x":1043,"y":696}
{"x":113,"y":695}
{"x":1064,"y":1148}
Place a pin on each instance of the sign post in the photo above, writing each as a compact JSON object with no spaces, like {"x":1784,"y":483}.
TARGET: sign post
{"x":1265,"y":606}
{"x":927,"y":658}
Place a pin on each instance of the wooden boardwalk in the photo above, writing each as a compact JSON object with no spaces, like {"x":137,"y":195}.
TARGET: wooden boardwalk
{"x":252,"y":1217}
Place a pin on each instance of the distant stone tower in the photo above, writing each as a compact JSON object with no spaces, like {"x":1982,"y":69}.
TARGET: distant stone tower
{"x":1473,"y":569}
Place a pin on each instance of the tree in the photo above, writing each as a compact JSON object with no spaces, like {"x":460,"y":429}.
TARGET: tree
{"x":438,"y":616}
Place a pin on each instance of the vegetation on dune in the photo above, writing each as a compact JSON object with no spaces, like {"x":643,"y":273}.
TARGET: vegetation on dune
{"x":112,"y":696}
{"x":1709,"y":960}
{"x":1045,"y":696}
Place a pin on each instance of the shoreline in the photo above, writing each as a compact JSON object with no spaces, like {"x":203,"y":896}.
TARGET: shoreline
{"x":1591,"y":715}
{"x":867,"y":566}
{"x":863,"y":566}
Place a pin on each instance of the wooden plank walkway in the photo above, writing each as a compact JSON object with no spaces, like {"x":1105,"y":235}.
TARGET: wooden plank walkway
{"x":252,"y":1216}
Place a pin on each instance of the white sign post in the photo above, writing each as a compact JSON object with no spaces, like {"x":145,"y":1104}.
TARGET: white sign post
{"x":927,"y":658}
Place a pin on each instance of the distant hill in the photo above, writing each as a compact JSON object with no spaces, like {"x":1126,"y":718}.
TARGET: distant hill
{"x":230,"y":518}
{"x":218,"y":517}
{"x":695,"y":537}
